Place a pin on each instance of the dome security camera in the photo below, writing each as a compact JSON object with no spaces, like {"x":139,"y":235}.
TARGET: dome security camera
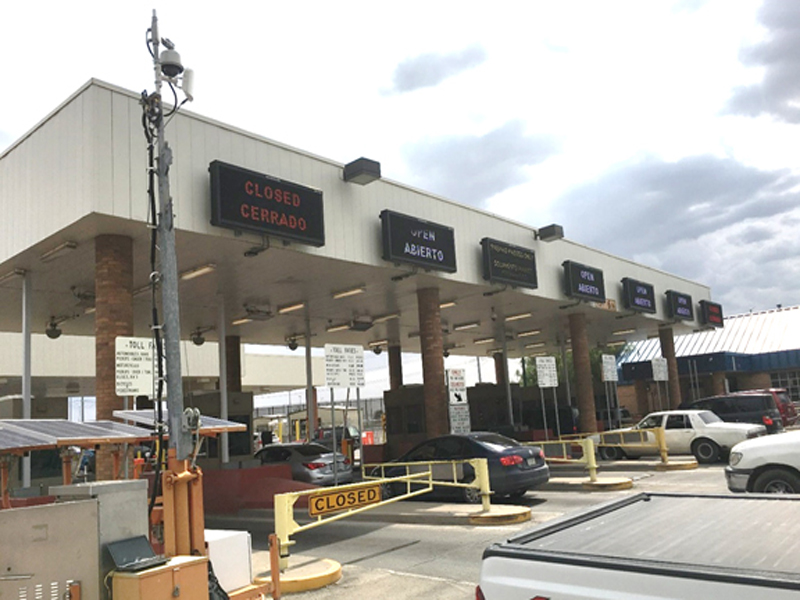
{"x":377,"y":349}
{"x":292,"y":344}
{"x":171,"y":63}
{"x":446,"y":353}
{"x":53,"y":331}
{"x":198,"y":339}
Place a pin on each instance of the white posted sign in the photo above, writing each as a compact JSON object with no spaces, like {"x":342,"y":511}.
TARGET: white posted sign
{"x":457,"y":386}
{"x":134,"y":359}
{"x":459,"y":418}
{"x":610,"y":368}
{"x":660,"y":371}
{"x":344,"y":366}
{"x":546,"y":371}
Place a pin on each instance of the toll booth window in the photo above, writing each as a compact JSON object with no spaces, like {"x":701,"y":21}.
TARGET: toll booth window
{"x":394,"y":420}
{"x":415,"y":419}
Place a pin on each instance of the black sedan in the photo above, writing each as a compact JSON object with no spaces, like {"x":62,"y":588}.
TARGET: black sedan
{"x":513,"y":469}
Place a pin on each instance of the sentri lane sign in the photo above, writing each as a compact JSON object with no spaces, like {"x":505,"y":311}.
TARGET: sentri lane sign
{"x":334,"y":501}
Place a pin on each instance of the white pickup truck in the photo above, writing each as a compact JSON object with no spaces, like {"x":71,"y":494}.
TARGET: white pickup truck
{"x":654,"y":547}
{"x":697,"y":432}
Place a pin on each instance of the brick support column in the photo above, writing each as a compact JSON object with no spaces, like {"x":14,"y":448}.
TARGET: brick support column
{"x":583,"y":372}
{"x":718,"y":384}
{"x":430,"y":337}
{"x":668,"y":352}
{"x":233,"y":360}
{"x":113,"y":317}
{"x":499,"y":370}
{"x":395,"y":368}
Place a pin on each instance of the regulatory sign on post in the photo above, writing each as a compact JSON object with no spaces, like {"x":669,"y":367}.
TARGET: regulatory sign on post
{"x":546,"y":371}
{"x":457,"y":386}
{"x":459,"y":418}
{"x":134,"y":366}
{"x":344,"y":366}
{"x":660,"y":371}
{"x":610,"y":368}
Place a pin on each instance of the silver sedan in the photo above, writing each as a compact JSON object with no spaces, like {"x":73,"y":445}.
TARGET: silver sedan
{"x":311,"y":463}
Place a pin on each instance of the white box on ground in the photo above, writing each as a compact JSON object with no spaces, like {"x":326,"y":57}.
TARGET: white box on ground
{"x":230,"y":553}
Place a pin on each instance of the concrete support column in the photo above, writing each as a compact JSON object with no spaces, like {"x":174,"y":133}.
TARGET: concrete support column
{"x":233,"y":362}
{"x":668,"y":352}
{"x":113,"y":317}
{"x":583,"y":372}
{"x":432,"y":344}
{"x":499,"y":369}
{"x":395,"y":368}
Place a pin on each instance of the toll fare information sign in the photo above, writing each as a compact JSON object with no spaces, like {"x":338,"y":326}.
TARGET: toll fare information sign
{"x":344,"y":366}
{"x":134,"y":366}
{"x":546,"y":371}
{"x":331,"y":502}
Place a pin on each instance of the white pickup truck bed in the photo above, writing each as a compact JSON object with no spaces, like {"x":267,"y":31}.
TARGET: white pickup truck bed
{"x":655,"y":546}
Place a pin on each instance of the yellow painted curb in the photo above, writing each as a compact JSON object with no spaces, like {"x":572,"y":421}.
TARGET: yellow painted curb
{"x":520,"y":516}
{"x":608,"y":485}
{"x":328,"y":573}
{"x":677,"y":466}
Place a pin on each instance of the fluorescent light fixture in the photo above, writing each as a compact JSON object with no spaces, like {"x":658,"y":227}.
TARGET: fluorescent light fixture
{"x":384,"y":318}
{"x":465,"y":326}
{"x":447,"y":304}
{"x":623,"y":332}
{"x":340,"y":327}
{"x":351,"y":292}
{"x":89,"y":310}
{"x":12,"y":274}
{"x":282,"y":310}
{"x":518,"y":317}
{"x":241,"y":321}
{"x":528,"y":333}
{"x":615,"y":344}
{"x":197,"y":272}
{"x":378,"y":343}
{"x":58,"y":251}
{"x":535,"y":345}
{"x":539,"y":354}
{"x":488,"y":340}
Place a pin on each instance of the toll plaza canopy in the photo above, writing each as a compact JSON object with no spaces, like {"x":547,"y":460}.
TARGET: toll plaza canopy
{"x":287,"y":244}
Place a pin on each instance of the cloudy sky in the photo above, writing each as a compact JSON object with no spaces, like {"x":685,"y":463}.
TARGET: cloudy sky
{"x":661,"y":131}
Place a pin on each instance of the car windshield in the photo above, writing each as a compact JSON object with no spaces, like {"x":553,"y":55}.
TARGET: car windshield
{"x":709,"y":417}
{"x":496,"y":441}
{"x":311,"y":450}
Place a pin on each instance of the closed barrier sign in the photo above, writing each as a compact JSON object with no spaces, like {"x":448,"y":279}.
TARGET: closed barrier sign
{"x":329,"y":502}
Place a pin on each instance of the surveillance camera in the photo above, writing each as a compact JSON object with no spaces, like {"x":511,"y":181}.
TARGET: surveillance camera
{"x":53,"y":331}
{"x":377,"y":349}
{"x":293,"y":344}
{"x":198,"y":339}
{"x":171,"y":63}
{"x":446,"y":353}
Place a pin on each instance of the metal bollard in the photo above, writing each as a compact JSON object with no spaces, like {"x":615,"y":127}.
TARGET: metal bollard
{"x":482,"y":475}
{"x":591,"y":460}
{"x":662,"y":445}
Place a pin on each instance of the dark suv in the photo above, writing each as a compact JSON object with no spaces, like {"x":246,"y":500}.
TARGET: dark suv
{"x":743,"y":407}
{"x":782,"y":401}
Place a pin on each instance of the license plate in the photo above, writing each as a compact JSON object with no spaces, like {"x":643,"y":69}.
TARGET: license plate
{"x":531,"y":461}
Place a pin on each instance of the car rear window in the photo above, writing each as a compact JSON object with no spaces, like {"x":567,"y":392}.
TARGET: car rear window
{"x":495,"y":439}
{"x":753,"y":403}
{"x":311,"y":450}
{"x":709,"y":417}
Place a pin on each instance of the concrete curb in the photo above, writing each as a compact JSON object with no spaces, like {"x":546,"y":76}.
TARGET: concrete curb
{"x":306,"y":574}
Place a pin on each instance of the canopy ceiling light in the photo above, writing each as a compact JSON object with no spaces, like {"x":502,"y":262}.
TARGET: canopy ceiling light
{"x":282,"y":310}
{"x":529,"y":333}
{"x":551,"y":233}
{"x":339,"y":327}
{"x":384,"y":318}
{"x":197,"y":272}
{"x":465,"y":326}
{"x":488,"y":340}
{"x":447,"y":304}
{"x":347,"y":293}
{"x":12,"y":274}
{"x":623,"y":332}
{"x":518,"y":316}
{"x":58,"y":251}
{"x":362,"y":171}
{"x":535,"y":345}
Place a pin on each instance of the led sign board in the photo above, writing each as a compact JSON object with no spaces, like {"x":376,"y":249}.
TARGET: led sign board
{"x":421,"y":243}
{"x":679,"y":306}
{"x":504,"y":263}
{"x":638,"y":296}
{"x":245,"y":200}
{"x":584,"y":283}
{"x":711,"y":313}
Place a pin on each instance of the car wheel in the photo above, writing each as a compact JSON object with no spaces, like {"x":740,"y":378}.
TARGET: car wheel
{"x":705,"y":451}
{"x":472,"y":495}
{"x":611,"y":453}
{"x":777,"y":481}
{"x":389,"y":490}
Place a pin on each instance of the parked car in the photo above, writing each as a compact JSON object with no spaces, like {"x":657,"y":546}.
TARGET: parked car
{"x":782,"y":401}
{"x":767,"y":465}
{"x":513,"y":469}
{"x":743,"y":407}
{"x":311,"y":463}
{"x":697,"y":432}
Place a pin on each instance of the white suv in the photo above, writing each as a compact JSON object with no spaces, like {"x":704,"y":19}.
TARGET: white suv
{"x":768,"y":465}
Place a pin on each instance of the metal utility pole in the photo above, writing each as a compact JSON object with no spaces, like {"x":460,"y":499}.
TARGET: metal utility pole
{"x":179,"y":436}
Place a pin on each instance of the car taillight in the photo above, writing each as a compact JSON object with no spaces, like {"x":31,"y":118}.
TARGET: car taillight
{"x":511,"y":460}
{"x":541,"y":453}
{"x":479,"y":594}
{"x":767,"y":420}
{"x":314,"y":465}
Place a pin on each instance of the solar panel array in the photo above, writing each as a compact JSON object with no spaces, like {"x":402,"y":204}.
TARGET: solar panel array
{"x":23,"y":435}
